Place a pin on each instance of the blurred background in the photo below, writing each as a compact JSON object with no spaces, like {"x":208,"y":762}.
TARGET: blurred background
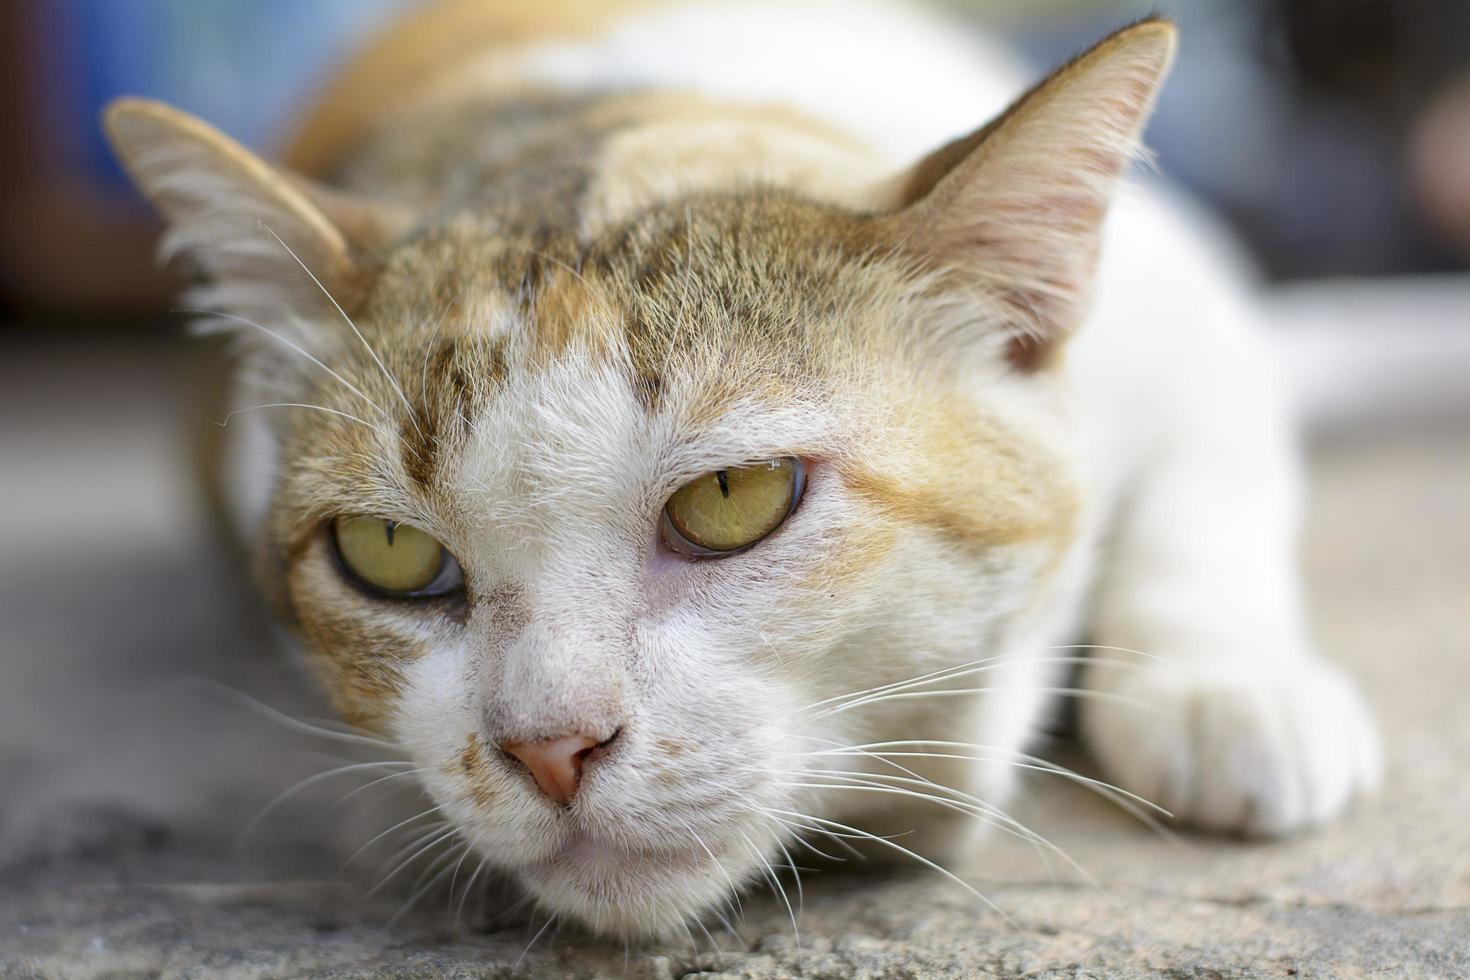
{"x":1332,"y":135}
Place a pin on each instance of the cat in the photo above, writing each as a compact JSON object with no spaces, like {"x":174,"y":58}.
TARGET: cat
{"x":679,"y":439}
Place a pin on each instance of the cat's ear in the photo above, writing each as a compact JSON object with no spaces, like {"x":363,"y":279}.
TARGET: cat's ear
{"x":1014,"y":210}
{"x":259,"y":234}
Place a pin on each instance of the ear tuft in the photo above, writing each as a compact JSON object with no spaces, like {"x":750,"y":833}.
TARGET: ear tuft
{"x":1015,"y":209}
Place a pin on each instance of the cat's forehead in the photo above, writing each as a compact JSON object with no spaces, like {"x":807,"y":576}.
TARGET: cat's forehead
{"x":732,"y":295}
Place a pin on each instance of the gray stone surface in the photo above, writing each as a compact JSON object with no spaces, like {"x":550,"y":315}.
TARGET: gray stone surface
{"x":126,"y":783}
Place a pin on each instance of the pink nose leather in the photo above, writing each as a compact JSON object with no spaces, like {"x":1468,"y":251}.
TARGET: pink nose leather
{"x":555,"y":764}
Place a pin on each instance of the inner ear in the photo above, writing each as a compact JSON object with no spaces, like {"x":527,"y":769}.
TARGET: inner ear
{"x":1013,"y":212}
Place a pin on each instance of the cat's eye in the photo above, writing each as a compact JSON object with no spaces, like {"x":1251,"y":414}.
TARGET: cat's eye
{"x":731,"y":509}
{"x":395,"y":559}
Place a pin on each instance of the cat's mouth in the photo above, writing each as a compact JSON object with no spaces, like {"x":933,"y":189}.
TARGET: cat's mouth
{"x":613,"y":888}
{"x":592,"y":858}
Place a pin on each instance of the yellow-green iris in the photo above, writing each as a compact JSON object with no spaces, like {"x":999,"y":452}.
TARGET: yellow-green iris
{"x":389,"y":556}
{"x":733,"y":508}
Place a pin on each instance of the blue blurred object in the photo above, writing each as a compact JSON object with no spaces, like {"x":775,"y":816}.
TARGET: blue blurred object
{"x":244,"y":65}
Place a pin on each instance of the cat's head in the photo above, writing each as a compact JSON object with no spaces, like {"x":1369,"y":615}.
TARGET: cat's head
{"x":604,"y":528}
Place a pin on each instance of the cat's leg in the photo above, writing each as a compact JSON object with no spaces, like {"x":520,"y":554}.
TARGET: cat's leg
{"x":1226,"y":715}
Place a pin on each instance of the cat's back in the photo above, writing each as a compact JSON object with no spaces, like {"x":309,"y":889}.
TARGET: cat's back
{"x":895,"y":77}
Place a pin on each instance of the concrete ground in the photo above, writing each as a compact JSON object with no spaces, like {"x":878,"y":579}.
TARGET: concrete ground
{"x":126,"y":782}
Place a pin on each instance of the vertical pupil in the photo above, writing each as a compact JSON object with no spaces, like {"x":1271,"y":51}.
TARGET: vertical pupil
{"x":389,"y":527}
{"x":724,"y":480}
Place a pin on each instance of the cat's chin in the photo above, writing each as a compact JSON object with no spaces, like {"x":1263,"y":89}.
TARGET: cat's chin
{"x":647,"y":893}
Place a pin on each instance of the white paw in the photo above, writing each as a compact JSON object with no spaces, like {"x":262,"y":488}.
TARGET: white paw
{"x":1255,"y":753}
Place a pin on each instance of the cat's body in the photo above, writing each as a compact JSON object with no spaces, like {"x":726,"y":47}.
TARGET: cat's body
{"x":590,"y":261}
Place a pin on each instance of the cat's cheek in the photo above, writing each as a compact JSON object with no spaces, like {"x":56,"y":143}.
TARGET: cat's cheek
{"x":664,"y":563}
{"x":674,"y":580}
{"x":357,"y":645}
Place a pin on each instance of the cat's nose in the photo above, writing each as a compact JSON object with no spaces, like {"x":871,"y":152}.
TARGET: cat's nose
{"x":556,"y":763}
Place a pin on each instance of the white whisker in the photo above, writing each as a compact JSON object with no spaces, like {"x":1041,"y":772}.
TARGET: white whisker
{"x":301,"y":785}
{"x":796,"y":876}
{"x":517,"y":964}
{"x":372,"y":353}
{"x":994,"y":663}
{"x":429,"y":347}
{"x":1123,"y":799}
{"x":320,"y":408}
{"x":1112,"y":649}
{"x":382,"y":779}
{"x":997,"y":818}
{"x":700,"y":840}
{"x":904,"y":850}
{"x":416,"y":817}
{"x":961,"y":802}
{"x":592,"y":287}
{"x":949,"y":692}
{"x":422,"y":887}
{"x":719,"y":953}
{"x":468,"y":850}
{"x":286,"y":721}
{"x":468,"y":887}
{"x":406,"y":862}
{"x":775,"y":881}
{"x":281,"y":339}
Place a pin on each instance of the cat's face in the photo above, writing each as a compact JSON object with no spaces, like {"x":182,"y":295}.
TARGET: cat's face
{"x":547,"y":417}
{"x":604,"y":528}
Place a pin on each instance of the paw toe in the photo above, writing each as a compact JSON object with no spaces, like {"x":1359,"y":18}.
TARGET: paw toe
{"x":1263,"y":757}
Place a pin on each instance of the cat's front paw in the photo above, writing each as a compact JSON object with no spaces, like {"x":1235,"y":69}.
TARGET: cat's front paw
{"x":1250,"y":752}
